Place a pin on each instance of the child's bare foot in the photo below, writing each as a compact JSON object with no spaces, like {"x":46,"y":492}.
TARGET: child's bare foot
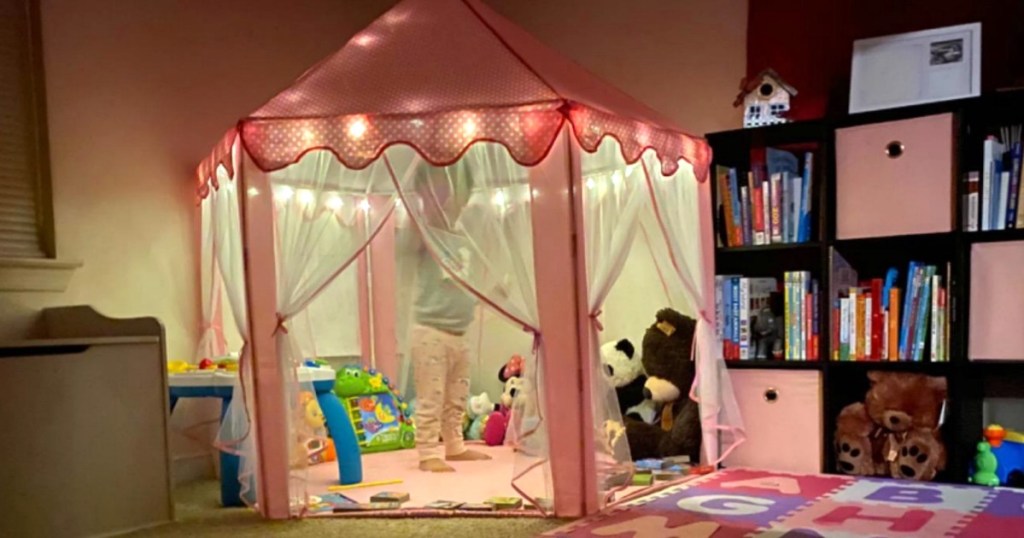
{"x":469,"y":455}
{"x":435,"y":465}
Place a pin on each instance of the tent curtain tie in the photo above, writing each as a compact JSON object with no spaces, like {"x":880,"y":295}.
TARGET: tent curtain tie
{"x":536,"y":338}
{"x":595,"y":319}
{"x":280,"y":328}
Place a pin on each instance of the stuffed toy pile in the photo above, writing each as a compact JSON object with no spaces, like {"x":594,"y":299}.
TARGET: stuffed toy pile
{"x":895,"y":431}
{"x":666,"y":358}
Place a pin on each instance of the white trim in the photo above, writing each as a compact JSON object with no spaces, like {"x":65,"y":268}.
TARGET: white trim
{"x":32,"y":274}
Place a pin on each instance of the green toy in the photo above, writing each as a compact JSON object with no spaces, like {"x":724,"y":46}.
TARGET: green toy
{"x":378,"y":414}
{"x":985,"y":465}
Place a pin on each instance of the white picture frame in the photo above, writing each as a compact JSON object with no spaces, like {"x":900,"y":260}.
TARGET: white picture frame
{"x":914,"y":68}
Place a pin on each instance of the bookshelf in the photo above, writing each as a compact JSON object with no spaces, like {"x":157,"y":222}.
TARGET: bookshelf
{"x":971,"y":380}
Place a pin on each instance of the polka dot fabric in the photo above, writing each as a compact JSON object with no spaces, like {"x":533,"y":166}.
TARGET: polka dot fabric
{"x":439,"y":75}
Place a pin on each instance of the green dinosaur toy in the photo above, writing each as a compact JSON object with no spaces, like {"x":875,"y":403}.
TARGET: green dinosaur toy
{"x":985,"y":464}
{"x":379,"y":416}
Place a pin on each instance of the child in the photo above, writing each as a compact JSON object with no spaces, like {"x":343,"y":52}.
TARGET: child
{"x":442,"y":313}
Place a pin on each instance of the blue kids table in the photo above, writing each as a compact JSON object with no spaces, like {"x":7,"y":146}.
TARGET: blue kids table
{"x":219,"y":383}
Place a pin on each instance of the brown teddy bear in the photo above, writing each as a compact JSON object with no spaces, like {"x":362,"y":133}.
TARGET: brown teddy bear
{"x":900,"y":401}
{"x":920,"y":455}
{"x":898,"y":424}
{"x":667,"y":348}
{"x":858,"y":451}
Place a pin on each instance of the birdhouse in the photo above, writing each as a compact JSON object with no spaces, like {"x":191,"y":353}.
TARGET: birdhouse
{"x":765,"y":99}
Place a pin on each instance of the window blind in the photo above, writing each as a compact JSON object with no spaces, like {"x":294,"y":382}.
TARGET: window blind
{"x":21,"y":217}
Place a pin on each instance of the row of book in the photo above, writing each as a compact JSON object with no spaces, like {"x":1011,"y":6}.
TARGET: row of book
{"x":878,"y":320}
{"x":993,"y":196}
{"x":772,"y":204}
{"x":758,"y":321}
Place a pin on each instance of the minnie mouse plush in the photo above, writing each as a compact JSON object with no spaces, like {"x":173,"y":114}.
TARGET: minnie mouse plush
{"x":497,"y":424}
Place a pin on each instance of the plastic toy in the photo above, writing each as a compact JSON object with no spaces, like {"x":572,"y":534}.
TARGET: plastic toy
{"x":364,"y":485}
{"x":377,"y":412}
{"x":179,"y":367}
{"x":390,"y":497}
{"x":505,"y":503}
{"x":478,"y":411}
{"x":444,"y":505}
{"x":207,"y":364}
{"x":228,"y":364}
{"x":1001,"y":455}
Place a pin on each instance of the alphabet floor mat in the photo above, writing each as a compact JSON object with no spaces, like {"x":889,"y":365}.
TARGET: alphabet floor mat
{"x":747,"y":502}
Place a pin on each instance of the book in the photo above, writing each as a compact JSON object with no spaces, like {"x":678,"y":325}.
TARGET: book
{"x":1014,"y":180}
{"x":991,"y":148}
{"x":444,"y":505}
{"x":854,"y":329}
{"x":766,"y":207}
{"x":390,"y":497}
{"x":806,"y":200}
{"x":877,"y":306}
{"x":745,"y":215}
{"x":796,"y":199}
{"x":1004,"y":198}
{"x":776,"y":208}
{"x":894,"y":322}
{"x":923,"y":312}
{"x":719,"y":317}
{"x":725,"y":198}
{"x":808,"y":325}
{"x":734,"y":282}
{"x":869,"y":348}
{"x":787,"y":207}
{"x":505,"y":503}
{"x":787,"y":314}
{"x":844,"y":329}
{"x":744,"y":319}
{"x":934,"y":336}
{"x":757,"y":210}
{"x":842,"y":278}
{"x":971,"y":202}
{"x":904,"y":326}
{"x":815,"y":321}
{"x":884,"y":354}
{"x":737,"y":211}
{"x":862,"y":350}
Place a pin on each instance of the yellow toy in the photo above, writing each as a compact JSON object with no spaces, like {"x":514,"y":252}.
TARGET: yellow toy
{"x":179,"y":367}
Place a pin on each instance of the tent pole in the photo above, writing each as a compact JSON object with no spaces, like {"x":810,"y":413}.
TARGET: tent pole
{"x":555,"y":265}
{"x":268,"y":377}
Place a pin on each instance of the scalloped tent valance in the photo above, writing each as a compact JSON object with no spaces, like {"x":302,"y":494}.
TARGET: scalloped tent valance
{"x":439,"y":75}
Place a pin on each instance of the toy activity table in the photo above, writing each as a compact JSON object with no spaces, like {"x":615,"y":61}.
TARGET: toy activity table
{"x":219,"y":383}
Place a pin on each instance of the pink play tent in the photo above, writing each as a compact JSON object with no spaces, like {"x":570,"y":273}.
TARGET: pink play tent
{"x":366,"y":148}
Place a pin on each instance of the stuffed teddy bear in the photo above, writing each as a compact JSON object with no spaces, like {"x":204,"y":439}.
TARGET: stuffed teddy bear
{"x":667,"y":347}
{"x":626,"y":374}
{"x":899,"y":420}
{"x":858,"y":451}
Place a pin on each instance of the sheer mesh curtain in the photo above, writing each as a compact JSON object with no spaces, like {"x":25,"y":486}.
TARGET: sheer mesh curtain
{"x":484,"y":240}
{"x":237,"y":433}
{"x":613,"y":196}
{"x":323,"y":220}
{"x":211,"y":339}
{"x":676,"y":220}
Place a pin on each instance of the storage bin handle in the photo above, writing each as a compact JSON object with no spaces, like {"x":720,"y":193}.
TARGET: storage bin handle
{"x":894,"y":149}
{"x":771,"y":395}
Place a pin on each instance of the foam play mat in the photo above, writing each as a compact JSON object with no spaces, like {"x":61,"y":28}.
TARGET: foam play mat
{"x":745,"y":502}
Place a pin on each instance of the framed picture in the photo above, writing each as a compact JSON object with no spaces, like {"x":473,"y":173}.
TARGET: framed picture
{"x":916,"y":67}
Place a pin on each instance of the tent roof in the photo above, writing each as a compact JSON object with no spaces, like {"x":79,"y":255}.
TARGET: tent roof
{"x":439,"y":75}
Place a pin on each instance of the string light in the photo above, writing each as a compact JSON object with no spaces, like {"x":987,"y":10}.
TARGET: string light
{"x":364,"y":205}
{"x":334,"y":203}
{"x":253,"y":191}
{"x":306,"y":196}
{"x":590,"y":183}
{"x":284,"y":193}
{"x":469,"y":127}
{"x":357,"y":128}
{"x":616,"y":178}
{"x":499,"y":198}
{"x":307,"y":134}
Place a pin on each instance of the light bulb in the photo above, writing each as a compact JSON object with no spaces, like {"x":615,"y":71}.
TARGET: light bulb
{"x":630,"y":168}
{"x":229,"y":186}
{"x":364,"y":205}
{"x":590,"y":183}
{"x":284,"y":193}
{"x":253,"y":191}
{"x":499,"y":198}
{"x":306,"y":196}
{"x":469,"y":127}
{"x":357,"y":128}
{"x":616,"y":178}
{"x":334,"y":203}
{"x":307,"y":134}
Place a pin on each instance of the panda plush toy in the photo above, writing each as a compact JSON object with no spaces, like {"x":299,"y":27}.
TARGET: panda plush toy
{"x":625,"y":372}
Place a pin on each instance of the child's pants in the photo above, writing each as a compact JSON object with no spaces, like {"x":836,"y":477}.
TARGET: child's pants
{"x":441,"y":369}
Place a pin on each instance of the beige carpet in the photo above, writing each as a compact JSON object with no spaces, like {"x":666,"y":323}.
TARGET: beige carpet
{"x":199,"y":514}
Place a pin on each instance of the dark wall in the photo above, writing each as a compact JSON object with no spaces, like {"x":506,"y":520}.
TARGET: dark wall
{"x":810,"y":44}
